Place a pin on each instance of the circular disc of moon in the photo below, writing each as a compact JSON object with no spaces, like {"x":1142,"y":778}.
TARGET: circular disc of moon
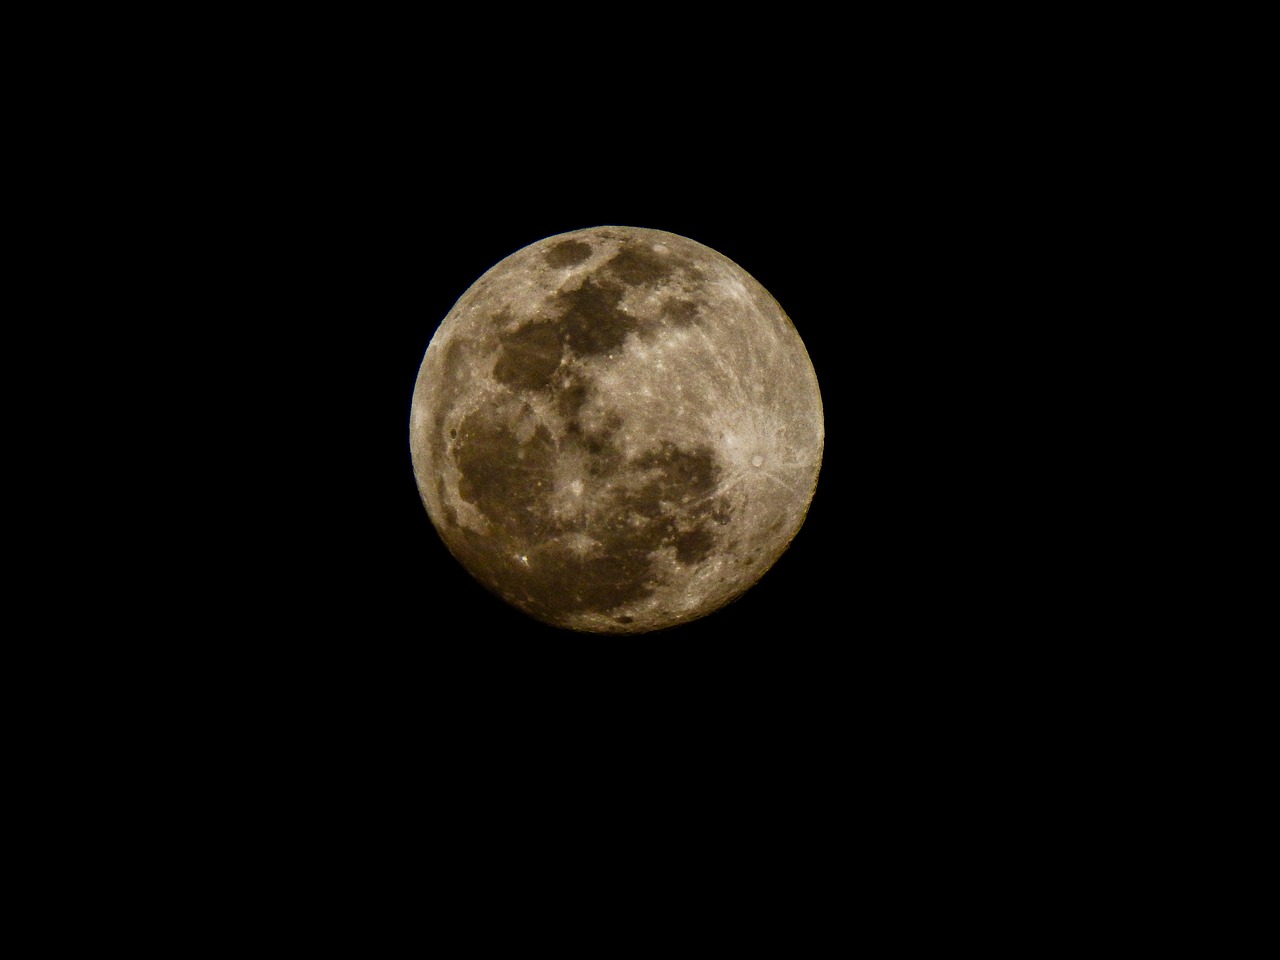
{"x":616,"y":430}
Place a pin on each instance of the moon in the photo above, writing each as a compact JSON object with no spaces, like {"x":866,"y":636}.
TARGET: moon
{"x":616,"y":430}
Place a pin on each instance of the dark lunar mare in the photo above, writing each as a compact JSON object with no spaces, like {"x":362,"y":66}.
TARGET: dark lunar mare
{"x":662,"y":499}
{"x":568,"y":253}
{"x":590,"y":316}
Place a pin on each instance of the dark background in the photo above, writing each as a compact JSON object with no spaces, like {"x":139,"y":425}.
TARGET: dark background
{"x":920,"y":246}
{"x":926,"y":602}
{"x":914,"y":674}
{"x":908,"y":532}
{"x":906,"y":291}
{"x":782,"y":248}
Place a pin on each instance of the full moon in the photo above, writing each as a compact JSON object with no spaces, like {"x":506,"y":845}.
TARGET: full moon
{"x":616,"y":430}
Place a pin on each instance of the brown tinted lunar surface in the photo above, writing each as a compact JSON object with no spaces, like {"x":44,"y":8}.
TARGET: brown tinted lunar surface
{"x":616,"y":430}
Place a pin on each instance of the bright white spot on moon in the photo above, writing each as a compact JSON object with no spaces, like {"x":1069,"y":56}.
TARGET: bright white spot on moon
{"x":757,"y":461}
{"x":576,"y":487}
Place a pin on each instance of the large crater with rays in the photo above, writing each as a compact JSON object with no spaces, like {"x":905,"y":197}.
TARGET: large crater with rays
{"x":616,"y":430}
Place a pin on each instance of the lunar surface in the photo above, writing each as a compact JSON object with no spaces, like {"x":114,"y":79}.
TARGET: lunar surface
{"x":616,"y":430}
